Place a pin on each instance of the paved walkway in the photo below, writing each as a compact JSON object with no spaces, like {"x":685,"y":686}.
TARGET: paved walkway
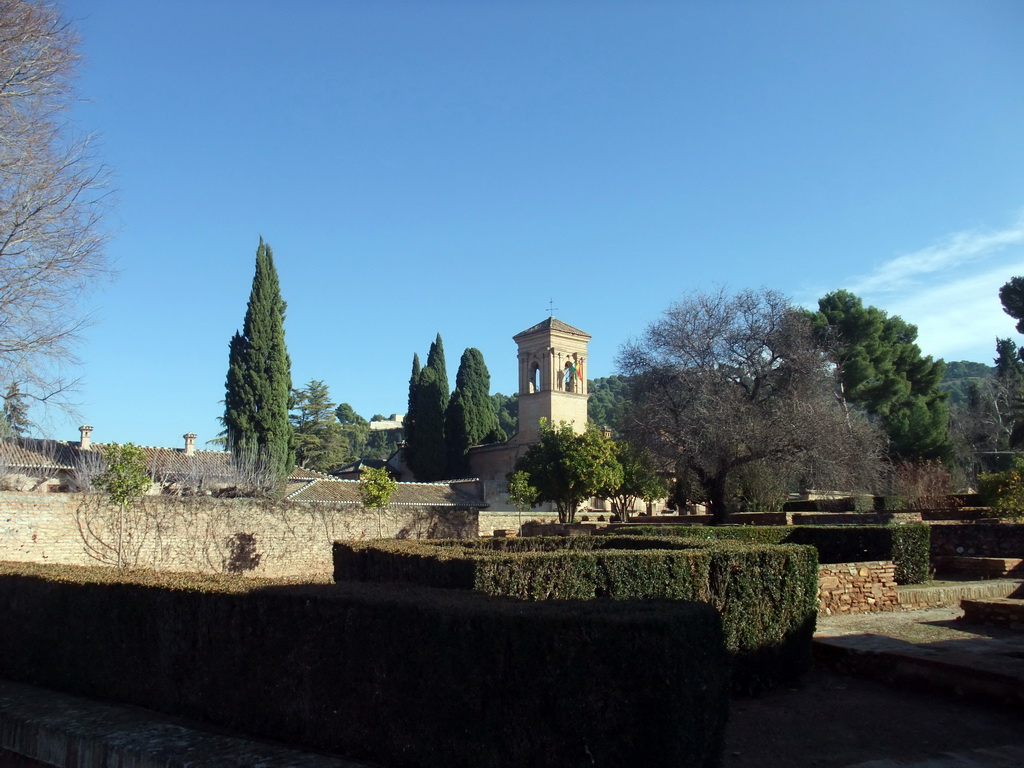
{"x":933,"y":648}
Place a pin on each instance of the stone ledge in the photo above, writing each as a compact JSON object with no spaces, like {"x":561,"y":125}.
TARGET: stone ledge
{"x":65,"y":731}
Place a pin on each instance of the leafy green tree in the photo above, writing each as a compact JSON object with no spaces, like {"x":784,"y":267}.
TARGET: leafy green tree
{"x":355,"y":431}
{"x":319,"y":442}
{"x":259,"y":380}
{"x":521,"y":494}
{"x":1012,"y":297}
{"x":507,"y":410}
{"x":470,"y":419}
{"x":424,"y":424}
{"x":568,"y":468}
{"x":640,"y":480}
{"x":881,"y":369}
{"x":608,"y":397}
{"x":124,"y":479}
{"x":376,"y":487}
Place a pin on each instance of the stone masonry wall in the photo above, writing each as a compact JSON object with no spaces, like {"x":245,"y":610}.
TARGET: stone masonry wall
{"x":205,"y":534}
{"x":857,"y":587}
{"x":974,"y":540}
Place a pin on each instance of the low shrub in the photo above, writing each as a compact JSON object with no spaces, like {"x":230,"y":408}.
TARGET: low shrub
{"x":400,"y":676}
{"x":767,"y":595}
{"x":906,"y":545}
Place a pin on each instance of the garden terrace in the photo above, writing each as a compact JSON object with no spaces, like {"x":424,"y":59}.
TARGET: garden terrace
{"x":391,"y":674}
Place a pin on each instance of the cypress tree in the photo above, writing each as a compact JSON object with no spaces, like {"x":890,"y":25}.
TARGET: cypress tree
{"x":470,"y":419}
{"x":424,"y":421}
{"x":409,"y":422}
{"x":259,"y":379}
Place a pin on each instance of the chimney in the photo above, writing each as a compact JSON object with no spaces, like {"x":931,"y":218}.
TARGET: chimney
{"x":190,"y":443}
{"x":86,"y":441}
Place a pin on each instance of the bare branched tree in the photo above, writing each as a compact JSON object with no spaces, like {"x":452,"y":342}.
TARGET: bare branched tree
{"x":729,"y":388}
{"x":53,"y":195}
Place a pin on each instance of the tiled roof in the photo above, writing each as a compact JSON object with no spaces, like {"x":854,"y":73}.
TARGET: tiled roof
{"x":552,"y":324}
{"x":335,"y":491}
{"x":31,"y":453}
{"x":301,"y":473}
{"x":359,"y":465}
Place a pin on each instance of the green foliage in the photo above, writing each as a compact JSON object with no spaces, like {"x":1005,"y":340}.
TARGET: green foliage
{"x":906,"y":545}
{"x":882,"y":370}
{"x":608,"y":397}
{"x":376,"y":487}
{"x":640,"y":479}
{"x":15,"y":421}
{"x":568,"y":468}
{"x":1003,"y":492}
{"x":507,"y":410}
{"x":425,"y":418}
{"x":960,"y":376}
{"x":1012,"y":297}
{"x":470,"y":419}
{"x":259,"y":381}
{"x":521,"y":494}
{"x":319,"y":441}
{"x":766,"y":595}
{"x":374,"y":668}
{"x":125,"y":476}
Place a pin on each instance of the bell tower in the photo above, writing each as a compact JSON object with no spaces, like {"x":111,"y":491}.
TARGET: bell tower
{"x":552,"y":377}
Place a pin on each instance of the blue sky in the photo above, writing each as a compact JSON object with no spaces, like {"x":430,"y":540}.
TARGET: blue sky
{"x":452,"y":167}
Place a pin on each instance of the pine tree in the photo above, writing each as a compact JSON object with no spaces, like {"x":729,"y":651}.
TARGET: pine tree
{"x":470,"y":419}
{"x":882,"y":370}
{"x":259,"y":378}
{"x":319,"y":441}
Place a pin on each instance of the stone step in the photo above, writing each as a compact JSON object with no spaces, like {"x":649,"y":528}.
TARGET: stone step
{"x":994,"y":610}
{"x":913,"y":596}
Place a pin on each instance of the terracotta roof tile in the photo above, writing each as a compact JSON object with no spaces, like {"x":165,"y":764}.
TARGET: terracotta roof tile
{"x":406,"y":494}
{"x":552,"y":324}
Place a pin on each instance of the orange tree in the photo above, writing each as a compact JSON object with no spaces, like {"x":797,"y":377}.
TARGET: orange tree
{"x":567,"y":467}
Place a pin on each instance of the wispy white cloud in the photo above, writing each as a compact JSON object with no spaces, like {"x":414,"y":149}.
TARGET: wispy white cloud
{"x":952,"y":253}
{"x":950,"y":291}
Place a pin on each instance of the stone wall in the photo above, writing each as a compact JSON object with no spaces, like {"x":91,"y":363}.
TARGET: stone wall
{"x":978,"y":540}
{"x":204,"y":534}
{"x":509,"y":521}
{"x":857,"y":587}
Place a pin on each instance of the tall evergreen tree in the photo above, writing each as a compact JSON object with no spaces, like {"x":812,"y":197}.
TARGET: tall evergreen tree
{"x":424,"y":422}
{"x":881,"y":369}
{"x":409,"y":423}
{"x":470,"y":419}
{"x":259,"y":380}
{"x":319,"y":441}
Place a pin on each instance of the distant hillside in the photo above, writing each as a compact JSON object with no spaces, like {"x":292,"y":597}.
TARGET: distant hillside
{"x":960,"y":374}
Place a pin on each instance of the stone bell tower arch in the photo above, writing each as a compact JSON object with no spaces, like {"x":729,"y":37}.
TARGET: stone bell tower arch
{"x":552,"y":377}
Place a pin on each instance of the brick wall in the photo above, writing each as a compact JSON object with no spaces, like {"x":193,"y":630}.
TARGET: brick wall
{"x":204,"y":534}
{"x":509,"y":521}
{"x":857,"y":587}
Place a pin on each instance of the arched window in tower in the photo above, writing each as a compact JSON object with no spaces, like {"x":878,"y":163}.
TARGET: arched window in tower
{"x":570,"y":376}
{"x":535,"y":378}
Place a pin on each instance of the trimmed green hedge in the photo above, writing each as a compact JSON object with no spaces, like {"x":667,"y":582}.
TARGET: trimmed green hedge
{"x":401,"y":676}
{"x":766,"y":595}
{"x":906,"y":545}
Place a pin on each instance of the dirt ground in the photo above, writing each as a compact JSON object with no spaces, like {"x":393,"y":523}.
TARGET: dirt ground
{"x":833,"y":721}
